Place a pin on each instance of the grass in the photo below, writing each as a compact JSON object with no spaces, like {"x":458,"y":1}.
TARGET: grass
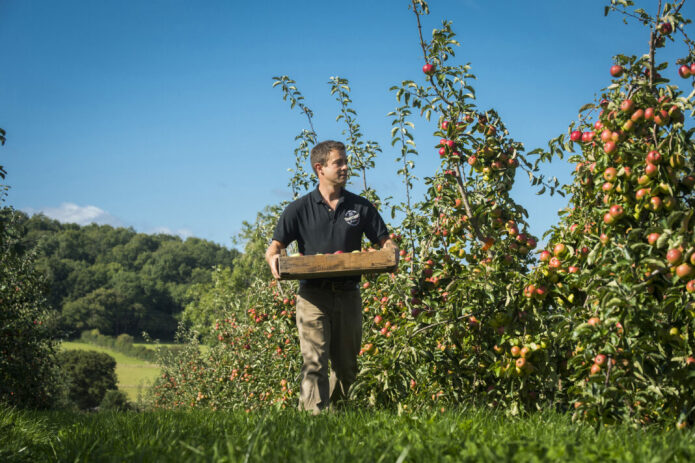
{"x":134,"y":375}
{"x":353,"y":435}
{"x":202,"y":347}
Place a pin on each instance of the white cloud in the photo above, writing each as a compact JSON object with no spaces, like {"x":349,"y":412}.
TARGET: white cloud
{"x":84,"y":215}
{"x":183,"y":233}
{"x":81,"y":215}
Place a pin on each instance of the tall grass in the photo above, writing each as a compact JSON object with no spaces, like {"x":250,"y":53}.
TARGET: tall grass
{"x":352,"y":435}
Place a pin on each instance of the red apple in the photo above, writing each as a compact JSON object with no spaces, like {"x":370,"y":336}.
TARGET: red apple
{"x":684,"y":71}
{"x":654,"y":157}
{"x":649,"y":114}
{"x":616,"y":70}
{"x":665,"y":28}
{"x":627,"y":106}
{"x":428,"y":69}
{"x":560,"y":249}
{"x":690,"y":286}
{"x":545,"y":256}
{"x":576,"y":135}
{"x":610,"y":174}
{"x":600,"y":359}
{"x":609,"y":147}
{"x":674,"y":256}
{"x":651,"y":169}
{"x":656,"y":203}
{"x":637,"y":116}
{"x":616,"y":211}
{"x":684,"y":270}
{"x":652,"y":238}
{"x":588,"y":136}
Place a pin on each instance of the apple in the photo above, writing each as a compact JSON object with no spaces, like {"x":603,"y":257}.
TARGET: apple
{"x":655,"y":203}
{"x":674,"y":256}
{"x":690,"y":286}
{"x":627,"y":106}
{"x":684,"y":71}
{"x":606,"y":135}
{"x":692,"y":68}
{"x":603,"y":238}
{"x":661,"y":117}
{"x":472,"y":160}
{"x":598,"y":125}
{"x":559,"y":250}
{"x":588,"y":136}
{"x":515,"y":351}
{"x":649,"y":114}
{"x":616,"y":70}
{"x":641,"y":193}
{"x":445,"y":125}
{"x":637,"y":116}
{"x":521,"y":363}
{"x":377,"y":320}
{"x":576,"y":135}
{"x":652,"y":238}
{"x":608,"y":219}
{"x":600,"y":359}
{"x":616,"y":211}
{"x":654,"y":157}
{"x":595,"y":369}
{"x":593,"y":321}
{"x":554,"y":263}
{"x":572,"y":269}
{"x":545,"y":256}
{"x":610,"y":174}
{"x":428,"y":69}
{"x":665,"y":28}
{"x":651,"y":169}
{"x":684,"y":270}
{"x":524,"y":352}
{"x":609,"y":147}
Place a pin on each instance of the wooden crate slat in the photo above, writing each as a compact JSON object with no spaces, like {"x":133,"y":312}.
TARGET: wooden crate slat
{"x":337,"y":265}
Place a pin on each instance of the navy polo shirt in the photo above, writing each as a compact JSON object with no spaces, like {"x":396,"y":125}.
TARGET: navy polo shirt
{"x":310,"y":221}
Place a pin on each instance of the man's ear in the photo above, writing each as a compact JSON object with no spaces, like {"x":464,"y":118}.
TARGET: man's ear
{"x":317,"y":167}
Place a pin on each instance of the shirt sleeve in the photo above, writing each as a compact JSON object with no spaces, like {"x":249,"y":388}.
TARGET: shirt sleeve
{"x":375,"y":227}
{"x":286,"y":228}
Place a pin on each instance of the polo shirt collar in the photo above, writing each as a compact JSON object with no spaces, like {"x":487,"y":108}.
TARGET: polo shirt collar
{"x":317,"y":198}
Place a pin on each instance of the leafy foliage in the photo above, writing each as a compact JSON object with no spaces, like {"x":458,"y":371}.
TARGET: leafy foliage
{"x":89,"y":375}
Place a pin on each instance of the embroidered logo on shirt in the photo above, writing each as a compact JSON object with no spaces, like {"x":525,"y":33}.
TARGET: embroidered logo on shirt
{"x":352,"y":217}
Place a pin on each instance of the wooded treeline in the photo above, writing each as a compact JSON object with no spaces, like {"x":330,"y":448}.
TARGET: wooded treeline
{"x":115,"y":279}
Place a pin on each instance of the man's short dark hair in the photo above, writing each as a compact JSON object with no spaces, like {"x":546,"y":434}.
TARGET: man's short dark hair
{"x":320,"y":152}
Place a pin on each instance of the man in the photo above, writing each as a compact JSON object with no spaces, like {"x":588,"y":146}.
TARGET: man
{"x":329,"y":310}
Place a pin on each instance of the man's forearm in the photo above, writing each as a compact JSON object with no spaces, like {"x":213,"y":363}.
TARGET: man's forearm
{"x":271,"y":256}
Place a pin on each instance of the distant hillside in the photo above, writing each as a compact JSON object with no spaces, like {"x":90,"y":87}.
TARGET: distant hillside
{"x":117,"y":280}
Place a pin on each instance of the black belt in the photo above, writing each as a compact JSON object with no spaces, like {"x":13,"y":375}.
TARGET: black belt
{"x":329,"y":284}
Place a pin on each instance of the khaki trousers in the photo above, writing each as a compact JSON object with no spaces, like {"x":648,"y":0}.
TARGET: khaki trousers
{"x":330,"y":328}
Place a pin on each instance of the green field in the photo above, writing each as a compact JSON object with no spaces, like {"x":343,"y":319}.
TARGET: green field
{"x":133,"y":374}
{"x":347,"y":436}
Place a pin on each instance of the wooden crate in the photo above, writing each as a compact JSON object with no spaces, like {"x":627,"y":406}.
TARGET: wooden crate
{"x":337,"y":265}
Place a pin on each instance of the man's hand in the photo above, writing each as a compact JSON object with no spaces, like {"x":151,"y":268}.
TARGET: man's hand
{"x":388,"y":243}
{"x":272,"y":254}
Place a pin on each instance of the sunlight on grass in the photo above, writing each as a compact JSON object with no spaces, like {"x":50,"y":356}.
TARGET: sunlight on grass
{"x":133,"y":374}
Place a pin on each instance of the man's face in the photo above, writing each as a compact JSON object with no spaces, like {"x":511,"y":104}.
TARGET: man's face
{"x":335,"y":171}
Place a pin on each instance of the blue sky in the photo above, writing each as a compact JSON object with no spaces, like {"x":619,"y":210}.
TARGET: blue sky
{"x":161,"y":114}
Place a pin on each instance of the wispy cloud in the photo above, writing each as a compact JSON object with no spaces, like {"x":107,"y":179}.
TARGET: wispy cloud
{"x":81,"y":215}
{"x":183,"y":233}
{"x":85,"y":215}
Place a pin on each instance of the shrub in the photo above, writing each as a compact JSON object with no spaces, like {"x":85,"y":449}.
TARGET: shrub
{"x":89,"y":375}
